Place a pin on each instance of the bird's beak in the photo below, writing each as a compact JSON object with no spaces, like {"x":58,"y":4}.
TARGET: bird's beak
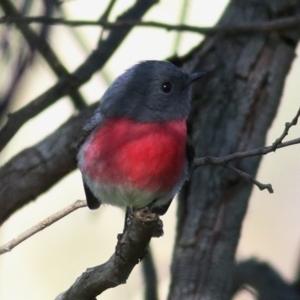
{"x":195,"y":76}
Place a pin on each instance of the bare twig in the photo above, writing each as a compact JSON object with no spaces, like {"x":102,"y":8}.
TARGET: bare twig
{"x":211,"y":160}
{"x":263,"y":26}
{"x":36,"y":42}
{"x":287,"y":127}
{"x":93,"y":63}
{"x":223,"y":161}
{"x":131,"y":248}
{"x":250,"y":178}
{"x":41,"y":225}
{"x":39,"y":167}
{"x":105,"y":16}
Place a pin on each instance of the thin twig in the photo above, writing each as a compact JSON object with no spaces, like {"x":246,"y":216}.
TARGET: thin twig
{"x":93,"y":63}
{"x":250,"y":178}
{"x":223,"y":161}
{"x":287,"y":127}
{"x":36,"y":42}
{"x":105,"y":16}
{"x":41,"y":225}
{"x":265,"y":26}
{"x":210,"y":160}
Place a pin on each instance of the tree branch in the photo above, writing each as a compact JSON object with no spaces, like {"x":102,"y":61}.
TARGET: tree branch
{"x":247,"y":27}
{"x":250,"y":178}
{"x":42,"y":225}
{"x":67,"y":84}
{"x":285,"y":132}
{"x":210,"y":160}
{"x":38,"y":43}
{"x":41,"y":166}
{"x":264,"y":279}
{"x":130,"y":250}
{"x":37,"y":168}
{"x":223,"y":161}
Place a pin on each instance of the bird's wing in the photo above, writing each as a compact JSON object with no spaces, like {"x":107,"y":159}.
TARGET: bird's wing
{"x":190,"y":150}
{"x":161,"y":210}
{"x":92,"y":201}
{"x":96,"y":121}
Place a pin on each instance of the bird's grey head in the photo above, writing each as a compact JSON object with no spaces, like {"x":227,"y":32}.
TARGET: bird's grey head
{"x":151,"y":91}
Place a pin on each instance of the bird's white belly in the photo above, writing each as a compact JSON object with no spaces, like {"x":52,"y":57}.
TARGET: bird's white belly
{"x":126,"y":196}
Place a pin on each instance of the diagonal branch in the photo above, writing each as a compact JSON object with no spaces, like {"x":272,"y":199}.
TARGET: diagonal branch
{"x":285,"y":132}
{"x":210,"y":160}
{"x":39,"y":167}
{"x":42,"y":225}
{"x":131,"y":248}
{"x":248,"y":177}
{"x":65,"y":85}
{"x":38,"y":43}
{"x":223,"y":161}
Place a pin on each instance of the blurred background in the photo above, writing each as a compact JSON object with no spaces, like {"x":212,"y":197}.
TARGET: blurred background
{"x":49,"y":262}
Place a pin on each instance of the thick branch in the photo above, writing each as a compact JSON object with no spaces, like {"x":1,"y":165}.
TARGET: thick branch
{"x":131,"y":248}
{"x":264,"y":279}
{"x":67,"y":84}
{"x":44,"y":164}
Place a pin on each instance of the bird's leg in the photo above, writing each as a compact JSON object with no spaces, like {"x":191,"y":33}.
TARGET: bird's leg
{"x":152,"y":204}
{"x":159,"y":210}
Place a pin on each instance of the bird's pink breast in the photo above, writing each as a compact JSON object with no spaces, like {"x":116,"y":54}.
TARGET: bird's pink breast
{"x":147,"y":156}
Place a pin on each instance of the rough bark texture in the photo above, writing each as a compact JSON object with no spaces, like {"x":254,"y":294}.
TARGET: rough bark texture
{"x":232,"y":112}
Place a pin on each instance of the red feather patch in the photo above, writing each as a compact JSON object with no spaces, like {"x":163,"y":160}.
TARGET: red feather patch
{"x":148,"y":156}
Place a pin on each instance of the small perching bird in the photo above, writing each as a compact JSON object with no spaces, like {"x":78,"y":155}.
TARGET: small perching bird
{"x":134,"y":151}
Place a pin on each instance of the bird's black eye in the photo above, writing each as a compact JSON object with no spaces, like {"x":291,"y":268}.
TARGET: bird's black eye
{"x":166,"y":87}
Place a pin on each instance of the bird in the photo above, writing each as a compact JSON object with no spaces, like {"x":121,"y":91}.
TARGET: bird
{"x":135,"y":151}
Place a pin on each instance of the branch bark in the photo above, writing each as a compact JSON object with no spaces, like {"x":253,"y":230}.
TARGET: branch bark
{"x":131,"y":248}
